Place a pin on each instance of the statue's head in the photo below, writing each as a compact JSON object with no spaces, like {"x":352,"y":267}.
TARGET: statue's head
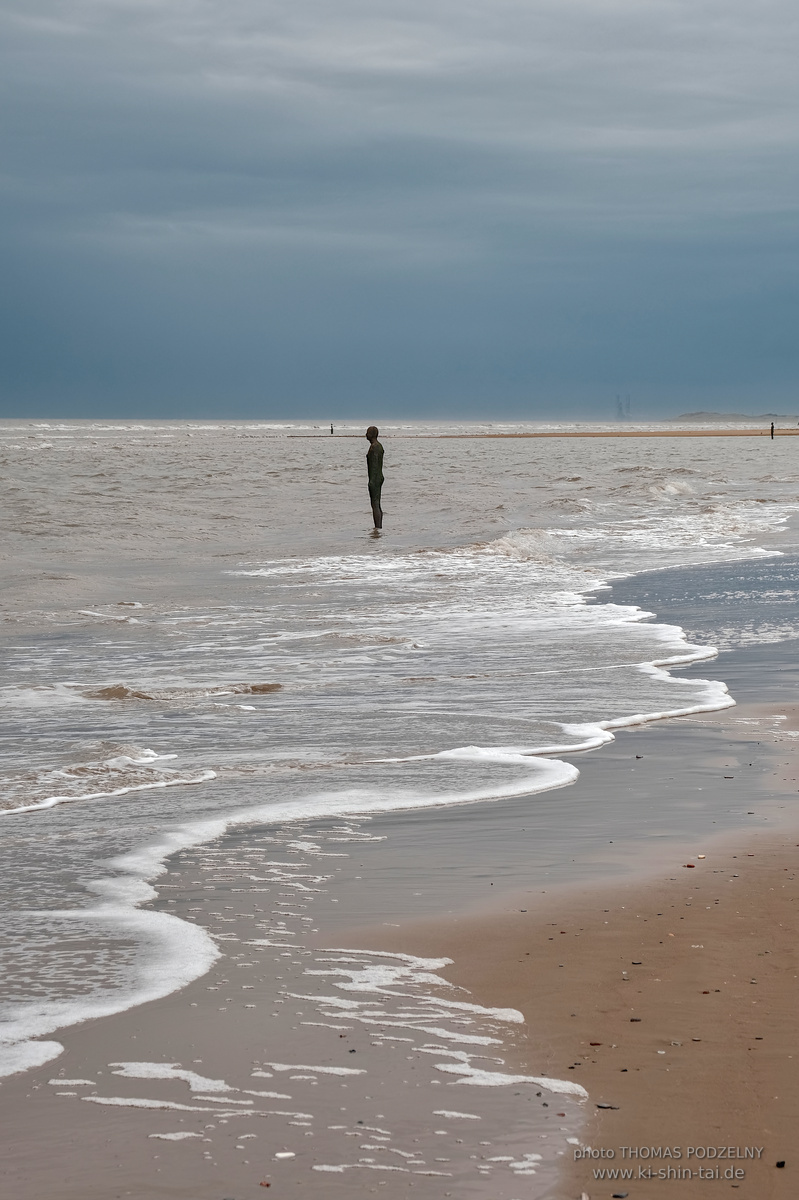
{"x":372,"y":433}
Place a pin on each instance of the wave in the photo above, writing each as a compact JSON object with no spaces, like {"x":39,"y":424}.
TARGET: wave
{"x":177,"y":953}
{"x":122,"y":691}
{"x":63,"y":694}
{"x":182,"y":957}
{"x":129,"y":769}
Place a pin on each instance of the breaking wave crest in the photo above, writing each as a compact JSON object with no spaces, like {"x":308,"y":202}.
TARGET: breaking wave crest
{"x":128,"y":769}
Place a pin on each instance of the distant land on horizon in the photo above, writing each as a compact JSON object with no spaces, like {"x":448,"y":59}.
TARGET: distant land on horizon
{"x":714,"y":416}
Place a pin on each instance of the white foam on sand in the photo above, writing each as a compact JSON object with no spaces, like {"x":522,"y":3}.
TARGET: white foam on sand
{"x":177,"y":952}
{"x":403,"y":991}
{"x":180,"y":951}
{"x":316,"y":1070}
{"x":24,"y":1056}
{"x":269,"y":942}
{"x":137,"y":1102}
{"x":398,"y":971}
{"x":451,"y":1115}
{"x":363,"y":1166}
{"x":148,"y":1070}
{"x":174,"y":1137}
{"x":482,"y":1078}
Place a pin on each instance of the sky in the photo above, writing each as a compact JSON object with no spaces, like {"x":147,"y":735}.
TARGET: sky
{"x":293,"y":208}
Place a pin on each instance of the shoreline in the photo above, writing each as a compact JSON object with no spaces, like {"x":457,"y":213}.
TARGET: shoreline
{"x":624,"y":433}
{"x":516,"y":965}
{"x":621,"y":826}
{"x":677,"y":1015}
{"x":243,"y":1077}
{"x":670,"y":996}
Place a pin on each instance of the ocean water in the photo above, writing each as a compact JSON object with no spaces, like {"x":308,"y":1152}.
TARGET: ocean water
{"x":203,"y":636}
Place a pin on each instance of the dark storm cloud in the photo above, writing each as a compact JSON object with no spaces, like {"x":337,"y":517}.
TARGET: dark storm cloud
{"x":259,"y":208}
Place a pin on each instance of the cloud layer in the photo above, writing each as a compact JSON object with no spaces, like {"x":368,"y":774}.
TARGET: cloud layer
{"x":265,"y":208}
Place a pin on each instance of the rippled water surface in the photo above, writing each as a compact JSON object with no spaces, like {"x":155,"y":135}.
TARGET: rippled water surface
{"x":202,"y":631}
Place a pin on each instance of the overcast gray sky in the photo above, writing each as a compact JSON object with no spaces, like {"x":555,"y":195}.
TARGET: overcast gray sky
{"x":420,"y":207}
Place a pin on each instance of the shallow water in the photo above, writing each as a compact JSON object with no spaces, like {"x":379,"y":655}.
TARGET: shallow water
{"x":201,"y":632}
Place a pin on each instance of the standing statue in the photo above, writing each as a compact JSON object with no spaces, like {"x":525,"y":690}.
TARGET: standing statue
{"x":374,"y":465}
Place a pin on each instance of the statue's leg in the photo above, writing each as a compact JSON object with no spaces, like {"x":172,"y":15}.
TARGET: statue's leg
{"x":377,"y":511}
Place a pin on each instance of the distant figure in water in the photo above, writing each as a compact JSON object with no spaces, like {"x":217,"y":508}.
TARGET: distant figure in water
{"x":772,"y":431}
{"x":331,"y":426}
{"x":374,"y":465}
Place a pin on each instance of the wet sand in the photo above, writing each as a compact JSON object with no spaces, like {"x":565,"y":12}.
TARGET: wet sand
{"x":674,"y":1003}
{"x":672,"y":997}
{"x":583,"y":964}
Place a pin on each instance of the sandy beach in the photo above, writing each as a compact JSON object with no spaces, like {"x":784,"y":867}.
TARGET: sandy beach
{"x":673,"y":1003}
{"x":289,"y":813}
{"x":670,"y":997}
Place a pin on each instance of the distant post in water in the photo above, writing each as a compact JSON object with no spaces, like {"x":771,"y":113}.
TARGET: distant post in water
{"x":374,"y":465}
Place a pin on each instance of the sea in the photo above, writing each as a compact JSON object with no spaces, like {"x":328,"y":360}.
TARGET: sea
{"x":216,"y":672}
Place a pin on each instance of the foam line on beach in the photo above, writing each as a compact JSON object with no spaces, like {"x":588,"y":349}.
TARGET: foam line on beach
{"x":452,"y":1115}
{"x":21,"y":1055}
{"x":151,"y":1070}
{"x":402,"y":991}
{"x":315,"y":1070}
{"x":177,"y":953}
{"x":186,"y":951}
{"x":478,"y":1077}
{"x":147,"y":862}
